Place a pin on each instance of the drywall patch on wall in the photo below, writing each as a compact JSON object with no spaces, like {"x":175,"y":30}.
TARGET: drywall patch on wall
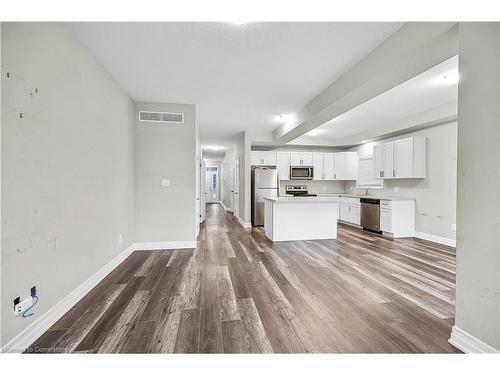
{"x":66,"y":167}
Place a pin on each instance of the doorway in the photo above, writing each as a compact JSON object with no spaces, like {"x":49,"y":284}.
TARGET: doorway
{"x":212,"y":184}
{"x":236,"y":188}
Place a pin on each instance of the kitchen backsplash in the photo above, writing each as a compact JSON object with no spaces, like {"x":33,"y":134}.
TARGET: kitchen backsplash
{"x":316,"y":187}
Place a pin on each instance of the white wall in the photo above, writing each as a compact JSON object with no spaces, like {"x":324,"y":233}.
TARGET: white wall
{"x":435,"y":195}
{"x":478,"y":241}
{"x":66,"y":167}
{"x":227,"y":178}
{"x":164,"y":214}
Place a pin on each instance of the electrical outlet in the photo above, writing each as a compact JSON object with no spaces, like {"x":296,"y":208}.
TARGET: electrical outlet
{"x":324,"y":188}
{"x":454,"y":227}
{"x":120,"y":238}
{"x":22,"y":306}
{"x":33,"y":291}
{"x":396,"y":189}
{"x":165,"y":182}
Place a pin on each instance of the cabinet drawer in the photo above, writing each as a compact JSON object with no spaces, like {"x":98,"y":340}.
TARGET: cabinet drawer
{"x":349,"y":200}
{"x":385,"y":220}
{"x":385,"y":204}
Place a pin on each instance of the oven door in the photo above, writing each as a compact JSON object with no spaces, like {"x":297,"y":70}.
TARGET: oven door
{"x":301,"y":173}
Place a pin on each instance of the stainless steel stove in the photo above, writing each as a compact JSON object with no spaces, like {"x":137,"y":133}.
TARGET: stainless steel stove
{"x":298,"y":191}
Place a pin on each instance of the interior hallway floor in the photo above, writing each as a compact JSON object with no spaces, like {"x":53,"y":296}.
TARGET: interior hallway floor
{"x":238,"y":292}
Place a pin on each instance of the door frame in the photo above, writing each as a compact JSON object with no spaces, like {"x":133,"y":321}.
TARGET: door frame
{"x":236,"y":188}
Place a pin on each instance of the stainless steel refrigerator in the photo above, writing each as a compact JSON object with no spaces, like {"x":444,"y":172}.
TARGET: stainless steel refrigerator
{"x":264,"y":184}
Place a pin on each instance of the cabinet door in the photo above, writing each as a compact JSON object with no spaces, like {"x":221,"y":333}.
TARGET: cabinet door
{"x":269,"y":157}
{"x":256,"y":157}
{"x":340,"y":172}
{"x":295,"y":158}
{"x":307,"y":158}
{"x":389,"y":160}
{"x":386,"y":220}
{"x":329,"y":166}
{"x":352,"y":166}
{"x":283,"y":164}
{"x":318,"y":165}
{"x":345,"y":213}
{"x":378,"y":160}
{"x":355,"y":214}
{"x":403,"y":158}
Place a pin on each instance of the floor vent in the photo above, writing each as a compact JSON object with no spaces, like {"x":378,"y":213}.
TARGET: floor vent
{"x":163,"y":117}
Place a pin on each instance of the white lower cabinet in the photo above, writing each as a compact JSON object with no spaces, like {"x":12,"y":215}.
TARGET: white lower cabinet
{"x":385,"y":220}
{"x":397,"y":218}
{"x":350,"y":210}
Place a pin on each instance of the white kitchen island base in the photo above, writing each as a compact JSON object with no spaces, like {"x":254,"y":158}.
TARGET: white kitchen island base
{"x":304,"y":218}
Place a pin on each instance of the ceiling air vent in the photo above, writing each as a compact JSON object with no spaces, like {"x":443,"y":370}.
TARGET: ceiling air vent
{"x":164,"y":117}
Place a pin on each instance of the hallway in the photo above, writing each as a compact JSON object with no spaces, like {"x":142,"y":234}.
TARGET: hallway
{"x":238,"y":292}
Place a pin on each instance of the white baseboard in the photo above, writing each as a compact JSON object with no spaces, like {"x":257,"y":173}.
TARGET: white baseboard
{"x":437,"y":239}
{"x":468,"y":343}
{"x":243,"y":224}
{"x":32,"y":332}
{"x":164,"y":245}
{"x":226,"y":208}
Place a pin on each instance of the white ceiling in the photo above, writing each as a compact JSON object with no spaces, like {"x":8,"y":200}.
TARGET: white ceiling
{"x":239,"y":76}
{"x":424,"y":98}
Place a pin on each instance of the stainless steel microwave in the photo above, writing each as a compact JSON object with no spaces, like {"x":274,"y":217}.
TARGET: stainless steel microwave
{"x":300,"y":172}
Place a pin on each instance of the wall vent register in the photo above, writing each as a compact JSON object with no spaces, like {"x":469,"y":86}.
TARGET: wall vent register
{"x":163,"y":117}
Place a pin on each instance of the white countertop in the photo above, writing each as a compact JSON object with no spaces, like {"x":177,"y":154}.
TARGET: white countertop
{"x":291,"y":199}
{"x":372,"y":196}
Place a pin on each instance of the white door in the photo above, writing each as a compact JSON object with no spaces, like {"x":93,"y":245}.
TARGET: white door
{"x":319,"y":173}
{"x":378,"y":159}
{"x":203,"y":202}
{"x":403,"y":158}
{"x":389,"y":160}
{"x":212,"y":184}
{"x":236,"y":193}
{"x":328,"y":166}
{"x":295,"y":158}
{"x":283,"y":162}
{"x":340,"y":166}
{"x":307,"y":158}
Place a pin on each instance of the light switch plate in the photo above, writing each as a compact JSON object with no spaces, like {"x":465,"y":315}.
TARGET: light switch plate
{"x":454,"y":227}
{"x":165,"y":182}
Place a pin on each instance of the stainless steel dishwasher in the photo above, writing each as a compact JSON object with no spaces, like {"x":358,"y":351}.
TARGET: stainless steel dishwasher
{"x":370,"y":214}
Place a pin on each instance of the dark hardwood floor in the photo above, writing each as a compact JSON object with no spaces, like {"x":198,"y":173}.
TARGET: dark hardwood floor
{"x":237,"y":292}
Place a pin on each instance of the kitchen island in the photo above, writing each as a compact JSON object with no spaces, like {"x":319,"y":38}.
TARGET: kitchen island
{"x":301,"y":218}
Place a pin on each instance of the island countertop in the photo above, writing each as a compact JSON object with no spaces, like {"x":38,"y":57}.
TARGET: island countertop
{"x":290,"y":199}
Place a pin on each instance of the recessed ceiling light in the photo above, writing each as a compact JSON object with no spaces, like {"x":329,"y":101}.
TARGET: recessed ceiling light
{"x":450,"y":78}
{"x":239,"y":22}
{"x":213,"y":148}
{"x":281,"y":118}
{"x":315,"y":132}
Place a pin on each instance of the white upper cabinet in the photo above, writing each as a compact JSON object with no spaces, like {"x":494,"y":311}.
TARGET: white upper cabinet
{"x":329,"y":166}
{"x":402,"y":158}
{"x":378,"y":159}
{"x":307,"y":158}
{"x":319,"y":173}
{"x":295,"y":158}
{"x":388,"y":160}
{"x":346,"y":166}
{"x":283,"y":165}
{"x":301,"y":158}
{"x":263,"y":158}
